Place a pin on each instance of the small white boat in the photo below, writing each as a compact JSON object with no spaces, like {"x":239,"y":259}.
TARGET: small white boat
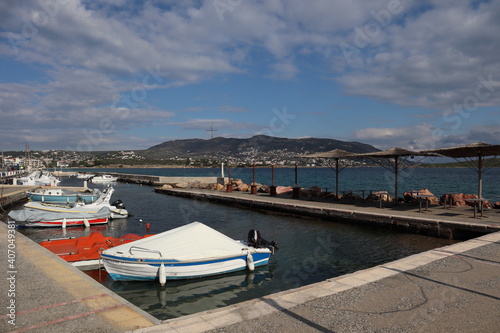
{"x":103,"y":179}
{"x":84,"y":175}
{"x":59,"y":195}
{"x":117,"y":208}
{"x":39,"y":178}
{"x":191,"y":251}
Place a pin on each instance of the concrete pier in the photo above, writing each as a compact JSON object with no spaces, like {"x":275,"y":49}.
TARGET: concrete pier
{"x":161,"y":180}
{"x":452,"y":223}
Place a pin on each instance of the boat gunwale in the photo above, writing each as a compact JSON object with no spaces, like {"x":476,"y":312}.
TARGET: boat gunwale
{"x":150,"y":261}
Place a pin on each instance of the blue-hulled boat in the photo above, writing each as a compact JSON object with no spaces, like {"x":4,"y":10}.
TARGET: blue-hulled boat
{"x":191,"y":251}
{"x":58,"y":195}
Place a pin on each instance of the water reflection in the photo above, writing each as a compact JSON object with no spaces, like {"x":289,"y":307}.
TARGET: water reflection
{"x":184,"y":297}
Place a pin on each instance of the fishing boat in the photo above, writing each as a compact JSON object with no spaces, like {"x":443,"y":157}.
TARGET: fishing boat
{"x":117,"y":208}
{"x":39,"y":218}
{"x":84,"y":252}
{"x":58,"y":195}
{"x":191,"y":251}
{"x":103,"y":179}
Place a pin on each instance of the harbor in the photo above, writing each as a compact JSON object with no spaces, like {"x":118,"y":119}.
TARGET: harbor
{"x":448,"y":288}
{"x":434,"y":281}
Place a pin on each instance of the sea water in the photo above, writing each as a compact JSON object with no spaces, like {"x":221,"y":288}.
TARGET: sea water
{"x":310,"y":250}
{"x":437,"y":180}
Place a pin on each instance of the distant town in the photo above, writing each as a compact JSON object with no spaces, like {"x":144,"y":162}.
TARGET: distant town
{"x":116,"y":159}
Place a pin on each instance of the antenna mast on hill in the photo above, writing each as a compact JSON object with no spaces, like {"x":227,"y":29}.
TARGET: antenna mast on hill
{"x":27,"y":159}
{"x":212,"y":139}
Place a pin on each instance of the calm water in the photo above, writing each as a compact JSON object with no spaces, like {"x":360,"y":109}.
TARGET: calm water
{"x":309,"y":250}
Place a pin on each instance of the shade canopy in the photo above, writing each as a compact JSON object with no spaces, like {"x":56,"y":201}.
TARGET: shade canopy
{"x":394,"y":155}
{"x":473,"y":154}
{"x":472,"y":150}
{"x":336,"y":154}
{"x":395,"y":152}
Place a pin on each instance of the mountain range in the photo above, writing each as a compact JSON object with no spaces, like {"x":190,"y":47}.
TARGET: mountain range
{"x":259,"y":144}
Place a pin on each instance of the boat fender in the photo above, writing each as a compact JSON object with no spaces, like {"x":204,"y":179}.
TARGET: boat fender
{"x":64,"y":223}
{"x":86,"y":222}
{"x":162,"y":274}
{"x":250,"y":263}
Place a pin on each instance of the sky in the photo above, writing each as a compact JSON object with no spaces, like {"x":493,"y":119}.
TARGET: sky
{"x":121,"y":75}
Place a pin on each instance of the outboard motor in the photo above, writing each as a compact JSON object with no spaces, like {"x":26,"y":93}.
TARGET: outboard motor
{"x":255,"y":240}
{"x":118,"y":204}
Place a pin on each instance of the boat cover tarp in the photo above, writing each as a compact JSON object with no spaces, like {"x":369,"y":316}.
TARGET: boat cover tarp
{"x":190,"y":242}
{"x":35,"y":215}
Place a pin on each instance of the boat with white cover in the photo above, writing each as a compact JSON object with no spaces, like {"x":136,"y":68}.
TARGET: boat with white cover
{"x":191,"y":251}
{"x":40,"y":218}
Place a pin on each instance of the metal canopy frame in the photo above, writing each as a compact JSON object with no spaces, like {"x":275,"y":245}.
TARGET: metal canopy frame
{"x":396,"y":158}
{"x":337,"y":155}
{"x":474,"y":155}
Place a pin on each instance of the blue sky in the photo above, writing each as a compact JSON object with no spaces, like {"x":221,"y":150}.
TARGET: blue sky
{"x":111,"y":75}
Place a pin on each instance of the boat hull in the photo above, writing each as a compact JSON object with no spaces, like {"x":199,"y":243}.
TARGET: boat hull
{"x":70,"y":222}
{"x":85,"y":252}
{"x":134,"y":269}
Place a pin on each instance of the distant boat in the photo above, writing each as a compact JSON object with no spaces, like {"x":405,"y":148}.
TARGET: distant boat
{"x":84,"y":252}
{"x":103,"y":179}
{"x":58,"y":195}
{"x":84,"y":175}
{"x":191,"y":251}
{"x":117,"y":208}
{"x":39,"y":178}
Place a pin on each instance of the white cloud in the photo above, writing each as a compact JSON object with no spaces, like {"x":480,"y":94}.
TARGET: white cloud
{"x":431,"y":55}
{"x":205,"y":124}
{"x":434,"y":59}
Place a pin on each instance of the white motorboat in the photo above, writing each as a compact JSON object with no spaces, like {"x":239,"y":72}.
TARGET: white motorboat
{"x":103,"y":179}
{"x":84,"y":175}
{"x":117,"y":208}
{"x":59,"y":195}
{"x":191,"y":251}
{"x":39,"y":178}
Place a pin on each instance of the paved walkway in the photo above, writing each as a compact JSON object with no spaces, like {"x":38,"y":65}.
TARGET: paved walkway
{"x":45,"y":294}
{"x":451,"y":289}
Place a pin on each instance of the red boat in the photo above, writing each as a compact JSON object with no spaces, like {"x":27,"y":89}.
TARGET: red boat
{"x":84,"y":252}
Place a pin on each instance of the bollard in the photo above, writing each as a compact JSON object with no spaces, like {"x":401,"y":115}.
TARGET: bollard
{"x":253,"y":189}
{"x":148,"y":226}
{"x":272,"y":191}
